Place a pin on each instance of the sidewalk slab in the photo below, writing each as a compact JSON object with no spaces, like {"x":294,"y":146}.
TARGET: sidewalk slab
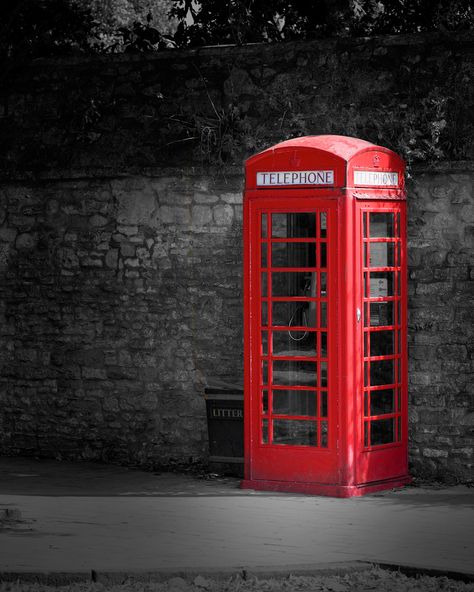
{"x":180,"y":523}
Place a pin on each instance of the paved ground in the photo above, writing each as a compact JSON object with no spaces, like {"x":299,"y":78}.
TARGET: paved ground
{"x":82,"y":517}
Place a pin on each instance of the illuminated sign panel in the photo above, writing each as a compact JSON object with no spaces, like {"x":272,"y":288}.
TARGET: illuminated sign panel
{"x":376,"y":178}
{"x":276,"y":178}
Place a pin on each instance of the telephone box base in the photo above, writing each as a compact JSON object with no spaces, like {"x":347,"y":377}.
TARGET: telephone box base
{"x":342,"y":491}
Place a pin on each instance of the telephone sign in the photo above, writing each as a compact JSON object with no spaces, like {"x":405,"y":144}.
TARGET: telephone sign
{"x":295,"y":178}
{"x":375,"y":178}
{"x":325,"y":403}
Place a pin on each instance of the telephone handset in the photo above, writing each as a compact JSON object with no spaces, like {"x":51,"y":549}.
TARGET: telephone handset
{"x":308,"y":309}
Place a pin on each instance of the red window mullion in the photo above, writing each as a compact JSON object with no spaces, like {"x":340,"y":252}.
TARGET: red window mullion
{"x":291,"y":269}
{"x":295,"y":417}
{"x":270,"y":332}
{"x":294,"y":240}
{"x":298,"y":387}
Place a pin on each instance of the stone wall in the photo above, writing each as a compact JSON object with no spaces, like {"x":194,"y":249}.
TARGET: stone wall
{"x":441,"y":323}
{"x":120,"y":234}
{"x":120,"y":299}
{"x":112,"y":114}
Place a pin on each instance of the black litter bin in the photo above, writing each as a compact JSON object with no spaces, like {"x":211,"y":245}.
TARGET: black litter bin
{"x":225,"y":423}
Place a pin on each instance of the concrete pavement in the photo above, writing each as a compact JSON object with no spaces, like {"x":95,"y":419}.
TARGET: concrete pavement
{"x":82,"y":517}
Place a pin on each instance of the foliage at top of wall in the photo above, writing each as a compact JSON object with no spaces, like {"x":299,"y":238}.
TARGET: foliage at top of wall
{"x":413,"y":94}
{"x":38,"y":28}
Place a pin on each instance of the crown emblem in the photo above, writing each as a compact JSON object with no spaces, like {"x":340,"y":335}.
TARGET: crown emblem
{"x":376,"y":161}
{"x":295,"y":160}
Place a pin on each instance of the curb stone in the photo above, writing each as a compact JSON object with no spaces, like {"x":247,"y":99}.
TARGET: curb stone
{"x":413,"y":570}
{"x":189,"y":575}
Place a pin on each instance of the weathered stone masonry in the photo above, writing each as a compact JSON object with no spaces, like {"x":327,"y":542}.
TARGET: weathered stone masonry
{"x":119,"y":297}
{"x":441,"y":323}
{"x":120,"y":236}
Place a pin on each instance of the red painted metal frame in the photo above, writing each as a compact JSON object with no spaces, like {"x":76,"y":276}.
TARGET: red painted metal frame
{"x":384,"y":461}
{"x":296,"y":463}
{"x":347,"y":467}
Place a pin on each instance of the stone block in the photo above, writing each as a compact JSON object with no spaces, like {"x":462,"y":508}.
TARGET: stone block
{"x":137,"y":203}
{"x":433,"y":453}
{"x":97,"y":221}
{"x":452,"y":352}
{"x":127,"y":250}
{"x":111,"y":258}
{"x":204,"y":198}
{"x":127,"y":229}
{"x":174,"y":215}
{"x":223,"y":214}
{"x":232,"y":198}
{"x":89,"y":373}
{"x":26,"y":241}
{"x":5,"y":249}
{"x":201,"y":215}
{"x":8,"y":235}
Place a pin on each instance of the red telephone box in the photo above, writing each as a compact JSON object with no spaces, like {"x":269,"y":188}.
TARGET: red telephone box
{"x":325,"y":318}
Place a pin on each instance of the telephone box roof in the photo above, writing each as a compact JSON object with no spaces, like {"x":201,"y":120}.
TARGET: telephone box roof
{"x":325,"y":162}
{"x":343,"y":146}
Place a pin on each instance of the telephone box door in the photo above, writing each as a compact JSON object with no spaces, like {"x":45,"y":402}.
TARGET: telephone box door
{"x":383,"y":394}
{"x":292,"y":432}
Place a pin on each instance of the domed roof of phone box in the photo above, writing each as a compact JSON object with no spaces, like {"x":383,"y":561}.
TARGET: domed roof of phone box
{"x":343,"y":154}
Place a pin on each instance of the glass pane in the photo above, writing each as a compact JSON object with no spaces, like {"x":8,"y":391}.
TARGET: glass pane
{"x":324,"y":434}
{"x":295,"y":433}
{"x":366,"y":248}
{"x":264,"y":254}
{"x":324,"y":344}
{"x":294,"y":343}
{"x":294,"y":283}
{"x":382,"y":431}
{"x":324,"y":374}
{"x":382,"y":343}
{"x":264,"y":343}
{"x":366,"y":434}
{"x":323,"y":254}
{"x":324,"y":404}
{"x":382,"y":402}
{"x":264,"y":225}
{"x":264,"y":372}
{"x":323,"y":225}
{"x":382,"y":284}
{"x":366,"y":404}
{"x":264,"y":283}
{"x":294,"y":373}
{"x":323,"y":315}
{"x":293,"y":314}
{"x":264,"y":314}
{"x":264,"y":401}
{"x":297,"y":225}
{"x":323,"y":284}
{"x":265,"y":431}
{"x":382,"y":254}
{"x":382,"y":372}
{"x":294,"y":402}
{"x":382,"y":314}
{"x":381,"y":225}
{"x":293,"y":254}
